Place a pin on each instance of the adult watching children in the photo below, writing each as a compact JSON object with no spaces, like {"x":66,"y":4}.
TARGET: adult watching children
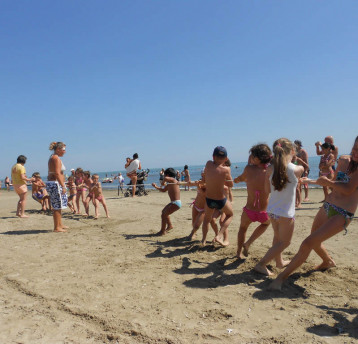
{"x":55,"y":186}
{"x":19,"y":179}
{"x":131,"y":166}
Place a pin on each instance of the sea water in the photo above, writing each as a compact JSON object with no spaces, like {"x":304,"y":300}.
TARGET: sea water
{"x":195,"y":173}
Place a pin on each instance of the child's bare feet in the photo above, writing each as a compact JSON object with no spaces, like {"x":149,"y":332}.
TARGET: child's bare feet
{"x":262,"y":269}
{"x":282,"y":264}
{"x":192,"y":235}
{"x":220,"y":240}
{"x":168,"y":228}
{"x":23,"y":216}
{"x":58,"y":230}
{"x":240,"y":255}
{"x":306,"y":200}
{"x":325,"y":265}
{"x":160,"y":233}
{"x":108,"y":216}
{"x":276,"y":284}
{"x":245,"y":250}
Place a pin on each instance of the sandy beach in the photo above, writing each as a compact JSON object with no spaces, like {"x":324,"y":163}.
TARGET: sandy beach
{"x":113,"y":281}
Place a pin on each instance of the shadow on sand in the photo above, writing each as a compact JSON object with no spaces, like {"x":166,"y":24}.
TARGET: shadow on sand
{"x":342,"y":325}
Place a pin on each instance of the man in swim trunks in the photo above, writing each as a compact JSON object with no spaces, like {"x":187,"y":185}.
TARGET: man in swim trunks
{"x":216,"y":176}
{"x":172,"y":186}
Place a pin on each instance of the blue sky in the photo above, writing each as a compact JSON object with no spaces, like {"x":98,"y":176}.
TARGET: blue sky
{"x":173,"y":79}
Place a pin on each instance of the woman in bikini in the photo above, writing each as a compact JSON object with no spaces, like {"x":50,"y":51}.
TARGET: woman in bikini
{"x":335,"y":215}
{"x":254,"y":175}
{"x":325,"y":164}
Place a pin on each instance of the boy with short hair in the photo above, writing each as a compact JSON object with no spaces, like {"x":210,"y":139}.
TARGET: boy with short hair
{"x":172,"y":187}
{"x":216,"y":176}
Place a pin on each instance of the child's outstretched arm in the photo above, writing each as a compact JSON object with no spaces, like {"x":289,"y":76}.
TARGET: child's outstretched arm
{"x":242,"y":177}
{"x":164,"y":189}
{"x":229,"y":182}
{"x":194,"y":183}
{"x":343,"y":187}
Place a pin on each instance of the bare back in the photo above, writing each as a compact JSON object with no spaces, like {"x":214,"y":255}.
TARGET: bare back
{"x":216,"y":176}
{"x":257,"y":193}
{"x":173,"y":189}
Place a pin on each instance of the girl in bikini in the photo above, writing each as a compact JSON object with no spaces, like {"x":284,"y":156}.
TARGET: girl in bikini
{"x":335,"y":215}
{"x":325,"y":165}
{"x":281,"y":179}
{"x":87,"y":181}
{"x":72,"y":197}
{"x":81,"y":188}
{"x":96,"y":191}
{"x":254,"y":175}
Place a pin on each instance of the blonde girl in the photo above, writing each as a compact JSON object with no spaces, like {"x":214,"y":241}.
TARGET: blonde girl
{"x":281,"y":180}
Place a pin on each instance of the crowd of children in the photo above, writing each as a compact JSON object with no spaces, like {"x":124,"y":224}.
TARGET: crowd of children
{"x":272,"y":179}
{"x":82,"y":187}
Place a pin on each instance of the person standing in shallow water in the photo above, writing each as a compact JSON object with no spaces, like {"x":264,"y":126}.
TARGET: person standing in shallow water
{"x":55,"y":185}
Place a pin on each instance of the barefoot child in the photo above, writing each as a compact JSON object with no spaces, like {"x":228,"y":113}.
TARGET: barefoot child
{"x":198,"y":208}
{"x":172,"y":187}
{"x":97,"y":194}
{"x":87,"y":181}
{"x":72,"y":197}
{"x":257,"y":197}
{"x":216,"y":176}
{"x":39,"y":192}
{"x":81,"y":188}
{"x":282,"y":179}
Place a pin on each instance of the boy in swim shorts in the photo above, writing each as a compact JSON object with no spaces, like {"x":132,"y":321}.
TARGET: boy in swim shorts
{"x":97,"y":194}
{"x":172,"y":186}
{"x":216,"y":176}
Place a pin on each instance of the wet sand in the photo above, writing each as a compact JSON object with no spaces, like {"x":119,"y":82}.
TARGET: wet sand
{"x":113,"y":281}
